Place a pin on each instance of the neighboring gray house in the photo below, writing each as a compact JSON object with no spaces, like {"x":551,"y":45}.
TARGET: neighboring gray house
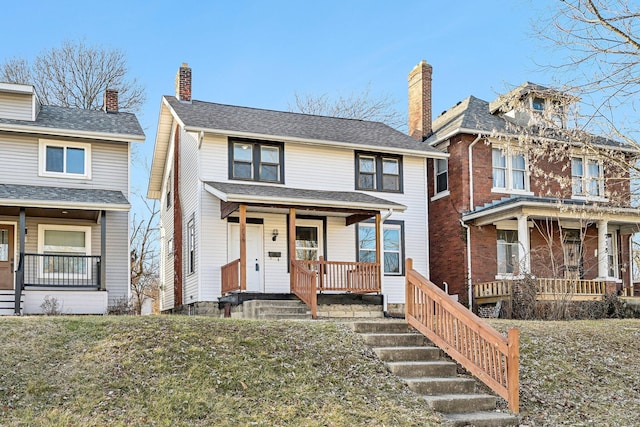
{"x":64,"y":204}
{"x":245,"y":192}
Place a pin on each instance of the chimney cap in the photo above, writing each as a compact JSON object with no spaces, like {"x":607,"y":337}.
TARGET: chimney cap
{"x":185,"y":65}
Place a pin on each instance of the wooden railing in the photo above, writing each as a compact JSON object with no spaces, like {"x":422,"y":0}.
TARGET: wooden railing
{"x":304,"y":285}
{"x":230,"y":276}
{"x":546,"y":288}
{"x":341,"y":276}
{"x":483,"y":351}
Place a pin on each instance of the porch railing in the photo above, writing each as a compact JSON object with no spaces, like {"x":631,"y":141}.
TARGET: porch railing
{"x":231,"y":276}
{"x":342,"y":276}
{"x":546,"y":288}
{"x":59,"y":271}
{"x":483,"y":351}
{"x":304,"y":285}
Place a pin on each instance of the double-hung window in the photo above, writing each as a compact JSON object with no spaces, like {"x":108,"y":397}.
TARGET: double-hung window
{"x":392,"y":245}
{"x":508,"y":256}
{"x":63,"y":250}
{"x":586,"y":177}
{"x":378,"y":172}
{"x":65,"y":159}
{"x":191,"y":245}
{"x":442,"y":175}
{"x":509,"y":171}
{"x":256,"y":160}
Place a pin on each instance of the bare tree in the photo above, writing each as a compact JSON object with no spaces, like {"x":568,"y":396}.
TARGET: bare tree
{"x":144,"y":256}
{"x":76,"y":75}
{"x":361,"y":106}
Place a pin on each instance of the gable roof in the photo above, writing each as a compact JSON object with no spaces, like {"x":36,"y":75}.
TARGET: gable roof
{"x":95,"y":124}
{"x":248,"y":122}
{"x":472,"y":115}
{"x":209,"y":116}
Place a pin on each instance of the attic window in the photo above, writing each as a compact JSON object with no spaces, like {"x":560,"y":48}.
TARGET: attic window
{"x":537,"y":104}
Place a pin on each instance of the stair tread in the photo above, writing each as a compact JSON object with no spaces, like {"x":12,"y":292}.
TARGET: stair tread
{"x":421,"y":362}
{"x":434,"y":379}
{"x":458,"y":396}
{"x":407,"y":347}
{"x":480,"y":415}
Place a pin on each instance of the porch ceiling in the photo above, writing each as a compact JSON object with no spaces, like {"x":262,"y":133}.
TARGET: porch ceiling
{"x":540,"y":208}
{"x":91,"y":215}
{"x":270,"y":198}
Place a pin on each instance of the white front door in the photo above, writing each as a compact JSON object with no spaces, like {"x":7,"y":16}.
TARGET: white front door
{"x":255,"y":264}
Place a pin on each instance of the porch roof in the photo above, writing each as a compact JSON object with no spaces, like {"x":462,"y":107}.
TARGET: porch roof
{"x":271,"y":195}
{"x":534,"y":206}
{"x":31,"y":196}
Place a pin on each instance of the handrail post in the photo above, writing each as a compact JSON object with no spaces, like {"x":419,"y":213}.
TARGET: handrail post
{"x":320,"y":272}
{"x":314,"y":298}
{"x":513,"y":369}
{"x":408,"y":294}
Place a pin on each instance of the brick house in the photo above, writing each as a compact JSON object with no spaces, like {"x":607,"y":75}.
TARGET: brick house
{"x":523,"y":194}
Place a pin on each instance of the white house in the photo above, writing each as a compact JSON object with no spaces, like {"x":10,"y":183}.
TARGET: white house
{"x":248,"y":195}
{"x":64,"y":204}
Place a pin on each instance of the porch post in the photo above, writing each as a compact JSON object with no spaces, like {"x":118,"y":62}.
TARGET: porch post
{"x":603,"y":256}
{"x":525,"y":246}
{"x":243,"y":247}
{"x":292,"y":245}
{"x":103,"y":250}
{"x":22,"y":225}
{"x":379,"y":256}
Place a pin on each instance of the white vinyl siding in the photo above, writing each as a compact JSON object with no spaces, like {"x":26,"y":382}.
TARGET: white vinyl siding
{"x":189,"y":199}
{"x":109,"y":165}
{"x":16,"y":106}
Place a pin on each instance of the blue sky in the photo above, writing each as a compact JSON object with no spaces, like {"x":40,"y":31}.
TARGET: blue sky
{"x":260,"y":53}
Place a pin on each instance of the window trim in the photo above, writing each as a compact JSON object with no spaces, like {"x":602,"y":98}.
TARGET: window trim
{"x":379,"y":171}
{"x":42,"y":159}
{"x":256,"y":162}
{"x":585,"y":178}
{"x":508,"y":154}
{"x":168,"y":191}
{"x":42,"y":228}
{"x":436,"y":174}
{"x":399,"y":224}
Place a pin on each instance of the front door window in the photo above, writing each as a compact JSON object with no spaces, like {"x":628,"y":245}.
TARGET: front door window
{"x":307,"y":246}
{"x":572,"y":255}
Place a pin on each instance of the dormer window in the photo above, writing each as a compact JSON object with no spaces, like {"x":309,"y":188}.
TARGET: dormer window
{"x":537,"y":104}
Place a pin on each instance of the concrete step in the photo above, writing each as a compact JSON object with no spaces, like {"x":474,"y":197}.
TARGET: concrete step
{"x":283,"y":310}
{"x":481,"y":419}
{"x":414,"y":369}
{"x":393,"y":340}
{"x":283,"y":316}
{"x":387,"y":326}
{"x":461,"y":403}
{"x":406,"y":354}
{"x":444,"y":385}
{"x":273,"y":303}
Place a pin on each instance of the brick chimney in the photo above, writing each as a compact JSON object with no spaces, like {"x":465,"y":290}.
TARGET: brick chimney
{"x":420,"y":101}
{"x":110,"y":101}
{"x":183,"y":83}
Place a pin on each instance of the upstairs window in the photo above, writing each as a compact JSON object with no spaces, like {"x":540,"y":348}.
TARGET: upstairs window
{"x":509,"y":171}
{"x":256,"y":161}
{"x":442,"y":175}
{"x":378,"y":172}
{"x":71,"y":160}
{"x":537,"y":104}
{"x":586,"y":177}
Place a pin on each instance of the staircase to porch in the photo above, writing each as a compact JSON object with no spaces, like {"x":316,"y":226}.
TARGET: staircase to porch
{"x":427,"y":372}
{"x":7,"y":302}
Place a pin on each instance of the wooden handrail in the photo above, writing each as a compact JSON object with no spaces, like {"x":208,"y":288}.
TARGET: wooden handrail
{"x":304,"y":285}
{"x":483,"y":351}
{"x":344,"y":276}
{"x":230,"y":276}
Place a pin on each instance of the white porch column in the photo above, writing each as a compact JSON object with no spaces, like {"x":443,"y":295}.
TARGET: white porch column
{"x":603,"y":256}
{"x":525,"y":247}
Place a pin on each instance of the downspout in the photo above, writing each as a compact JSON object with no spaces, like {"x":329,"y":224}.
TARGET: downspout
{"x":471,"y":204}
{"x":469,"y":282}
{"x":384,"y":296}
{"x":630,"y":269}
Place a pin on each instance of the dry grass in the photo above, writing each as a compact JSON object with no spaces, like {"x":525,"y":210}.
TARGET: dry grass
{"x":579,"y":373}
{"x":190,"y":371}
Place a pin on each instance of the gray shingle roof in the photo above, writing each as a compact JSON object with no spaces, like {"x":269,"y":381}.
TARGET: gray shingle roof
{"x":473,"y":114}
{"x":339,"y":198}
{"x":208,"y":115}
{"x":62,"y":195}
{"x":76,"y":119}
